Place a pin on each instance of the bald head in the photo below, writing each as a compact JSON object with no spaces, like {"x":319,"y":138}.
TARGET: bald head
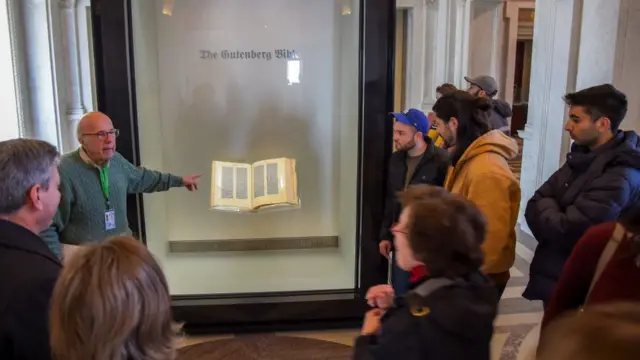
{"x":93,"y":122}
{"x":97,"y":136}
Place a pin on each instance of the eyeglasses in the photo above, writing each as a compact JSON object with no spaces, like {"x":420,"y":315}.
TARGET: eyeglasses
{"x":103,"y":134}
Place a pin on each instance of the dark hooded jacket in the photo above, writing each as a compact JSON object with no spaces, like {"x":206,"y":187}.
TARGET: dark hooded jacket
{"x":498,"y":116}
{"x":591,"y":188}
{"x":436,"y":321}
{"x":431,"y":170}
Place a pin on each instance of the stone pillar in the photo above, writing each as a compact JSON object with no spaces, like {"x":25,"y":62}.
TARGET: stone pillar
{"x":74,"y":107}
{"x":459,"y":25}
{"x":610,"y":50}
{"x":626,"y":75}
{"x":446,"y":36}
{"x":624,"y":69}
{"x":486,"y":39}
{"x":41,"y":84}
{"x":555,"y":47}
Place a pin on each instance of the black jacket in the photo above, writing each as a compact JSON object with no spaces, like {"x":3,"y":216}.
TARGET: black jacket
{"x":453,"y":322}
{"x":592,"y":187}
{"x":28,"y":273}
{"x":431,"y":170}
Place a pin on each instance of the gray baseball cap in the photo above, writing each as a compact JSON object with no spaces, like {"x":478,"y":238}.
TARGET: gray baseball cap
{"x":484,"y":82}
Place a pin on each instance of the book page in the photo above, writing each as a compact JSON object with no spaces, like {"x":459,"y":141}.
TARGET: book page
{"x":231,"y":186}
{"x":275,"y":183}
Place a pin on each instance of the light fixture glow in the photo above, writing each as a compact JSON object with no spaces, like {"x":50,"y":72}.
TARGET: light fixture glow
{"x":293,"y":71}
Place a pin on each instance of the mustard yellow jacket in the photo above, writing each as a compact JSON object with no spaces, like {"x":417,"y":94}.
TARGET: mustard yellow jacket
{"x":482,"y":175}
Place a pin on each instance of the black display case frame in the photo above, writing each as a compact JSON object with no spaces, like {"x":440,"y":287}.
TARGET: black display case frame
{"x":230,"y":313}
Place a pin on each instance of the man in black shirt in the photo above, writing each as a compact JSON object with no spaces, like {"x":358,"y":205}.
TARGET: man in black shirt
{"x":415,"y":161}
{"x":29,"y":198}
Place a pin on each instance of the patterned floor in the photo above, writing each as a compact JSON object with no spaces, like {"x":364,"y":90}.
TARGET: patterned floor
{"x":517,"y":325}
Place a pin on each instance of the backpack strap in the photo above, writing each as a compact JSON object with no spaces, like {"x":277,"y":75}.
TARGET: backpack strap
{"x":432,"y":285}
{"x":619,"y":233}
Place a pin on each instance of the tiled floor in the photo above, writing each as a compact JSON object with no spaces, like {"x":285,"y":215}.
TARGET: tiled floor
{"x":516,"y":327}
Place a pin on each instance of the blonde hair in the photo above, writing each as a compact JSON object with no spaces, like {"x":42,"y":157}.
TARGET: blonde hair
{"x":112,"y":302}
{"x":608,"y":332}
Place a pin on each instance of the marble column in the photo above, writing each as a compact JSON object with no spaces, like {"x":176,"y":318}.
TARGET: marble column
{"x":486,"y":39}
{"x":74,"y":107}
{"x":626,"y":75}
{"x":555,"y":48}
{"x":459,"y":25}
{"x":610,"y":50}
{"x":40,"y":70}
{"x":446,"y":37}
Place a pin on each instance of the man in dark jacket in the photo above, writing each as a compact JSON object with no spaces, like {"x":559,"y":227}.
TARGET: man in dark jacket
{"x":415,"y":161}
{"x":29,"y":199}
{"x":599,"y":181}
{"x":487,"y":87}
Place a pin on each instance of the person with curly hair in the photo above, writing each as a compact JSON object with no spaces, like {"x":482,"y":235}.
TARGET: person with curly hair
{"x":450,"y":309}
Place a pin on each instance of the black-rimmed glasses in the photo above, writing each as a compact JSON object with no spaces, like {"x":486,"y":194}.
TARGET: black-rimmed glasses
{"x":103,"y":134}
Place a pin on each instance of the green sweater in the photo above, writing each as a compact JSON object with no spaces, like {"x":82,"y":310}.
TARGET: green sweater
{"x":81,"y":214}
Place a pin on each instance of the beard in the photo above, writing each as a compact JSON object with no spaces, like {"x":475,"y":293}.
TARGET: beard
{"x":587,"y":140}
{"x":406,"y":147}
{"x":475,"y":92}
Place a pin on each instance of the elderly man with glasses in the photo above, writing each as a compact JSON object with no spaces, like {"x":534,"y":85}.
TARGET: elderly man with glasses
{"x":94,"y":183}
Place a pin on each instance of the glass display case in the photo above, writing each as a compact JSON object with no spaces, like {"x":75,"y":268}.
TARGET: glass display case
{"x":248,"y":93}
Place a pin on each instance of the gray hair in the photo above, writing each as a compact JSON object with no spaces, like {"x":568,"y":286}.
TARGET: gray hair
{"x":24,"y":163}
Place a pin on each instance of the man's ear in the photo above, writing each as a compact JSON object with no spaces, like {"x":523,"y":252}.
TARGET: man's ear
{"x":603,"y":124}
{"x":453,"y":122}
{"x":33,"y":196}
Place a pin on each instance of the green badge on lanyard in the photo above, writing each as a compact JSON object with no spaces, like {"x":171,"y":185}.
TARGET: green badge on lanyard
{"x":109,"y":215}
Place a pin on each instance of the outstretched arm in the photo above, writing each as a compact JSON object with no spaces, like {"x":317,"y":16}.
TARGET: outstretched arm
{"x":143,"y":180}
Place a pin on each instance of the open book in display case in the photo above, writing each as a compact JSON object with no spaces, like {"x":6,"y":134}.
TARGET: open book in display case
{"x":249,"y":188}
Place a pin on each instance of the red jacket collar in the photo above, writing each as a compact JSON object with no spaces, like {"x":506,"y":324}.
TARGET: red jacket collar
{"x":418,"y":273}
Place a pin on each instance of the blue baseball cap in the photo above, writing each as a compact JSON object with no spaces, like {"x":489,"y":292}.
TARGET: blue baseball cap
{"x":415,"y":118}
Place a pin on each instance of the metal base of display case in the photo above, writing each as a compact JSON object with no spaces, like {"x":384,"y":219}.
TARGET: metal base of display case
{"x":293,"y":243}
{"x":268,"y":312}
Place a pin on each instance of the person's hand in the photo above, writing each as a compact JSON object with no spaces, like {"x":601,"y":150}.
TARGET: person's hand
{"x":371,"y":324}
{"x":380,"y":296}
{"x":385,"y":248}
{"x":191,"y":182}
